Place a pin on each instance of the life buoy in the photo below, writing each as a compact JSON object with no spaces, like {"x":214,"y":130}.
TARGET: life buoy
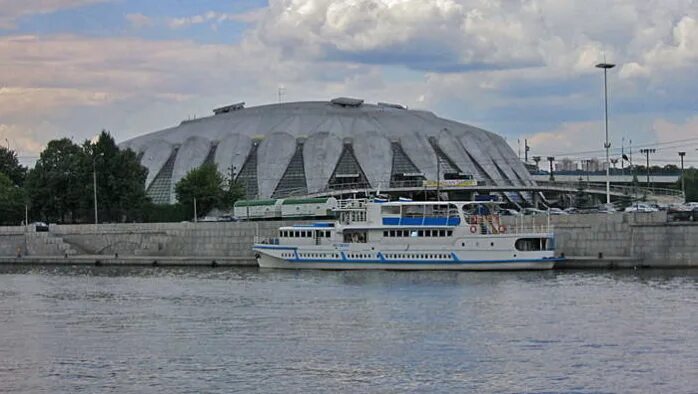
{"x":502,"y":229}
{"x":473,"y":229}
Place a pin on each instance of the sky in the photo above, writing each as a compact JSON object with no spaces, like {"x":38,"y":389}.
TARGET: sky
{"x":523,"y":69}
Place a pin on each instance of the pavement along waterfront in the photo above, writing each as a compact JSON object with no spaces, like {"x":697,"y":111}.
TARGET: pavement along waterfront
{"x":587,"y":241}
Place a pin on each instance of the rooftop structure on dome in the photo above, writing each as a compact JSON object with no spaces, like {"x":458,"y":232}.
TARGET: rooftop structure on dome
{"x":307,"y":148}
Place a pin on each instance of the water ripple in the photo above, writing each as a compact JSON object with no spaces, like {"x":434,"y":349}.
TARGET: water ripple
{"x":100,"y":329}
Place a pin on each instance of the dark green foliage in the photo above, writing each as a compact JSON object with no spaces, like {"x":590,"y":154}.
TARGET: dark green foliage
{"x":9,"y":165}
{"x":691,"y":177}
{"x":120,"y":180}
{"x":165,"y":213}
{"x":12,"y":200}
{"x":234,"y":191}
{"x":205,"y":184}
{"x":61,"y":184}
{"x":57,"y":183}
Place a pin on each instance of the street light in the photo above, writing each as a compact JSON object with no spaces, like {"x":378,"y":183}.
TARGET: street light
{"x":94,"y":181}
{"x":607,"y":145}
{"x":551,"y":159}
{"x":683,"y":180}
{"x":647,"y":153}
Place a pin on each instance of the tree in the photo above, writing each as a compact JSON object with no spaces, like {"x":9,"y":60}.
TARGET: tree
{"x":691,"y":177}
{"x":120,"y":179}
{"x":234,"y":191}
{"x":9,"y":165}
{"x":56,"y":184}
{"x":61,"y":184}
{"x":12,"y":200}
{"x":205,"y":184}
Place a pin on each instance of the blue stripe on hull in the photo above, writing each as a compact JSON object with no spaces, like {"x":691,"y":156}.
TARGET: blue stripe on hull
{"x":430,"y":262}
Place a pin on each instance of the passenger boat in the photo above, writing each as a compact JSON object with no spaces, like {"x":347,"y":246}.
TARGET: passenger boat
{"x":407,"y":235}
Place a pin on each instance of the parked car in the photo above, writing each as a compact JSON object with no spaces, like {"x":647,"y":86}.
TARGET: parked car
{"x":607,"y":208}
{"x":641,"y":208}
{"x":533,"y":211}
{"x":40,"y":227}
{"x":228,"y":218}
{"x":207,"y":219}
{"x":571,"y":210}
{"x":557,"y":211}
{"x":684,"y":212}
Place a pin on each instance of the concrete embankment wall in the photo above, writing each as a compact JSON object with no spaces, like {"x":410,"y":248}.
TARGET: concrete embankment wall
{"x":214,"y":240}
{"x":624,"y":240}
{"x":618,"y":240}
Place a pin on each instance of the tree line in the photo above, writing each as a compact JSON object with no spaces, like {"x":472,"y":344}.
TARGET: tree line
{"x":60,"y":188}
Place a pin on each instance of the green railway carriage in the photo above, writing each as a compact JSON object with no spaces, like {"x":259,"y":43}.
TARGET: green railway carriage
{"x":308,"y":207}
{"x":258,"y":209}
{"x":292,"y":208}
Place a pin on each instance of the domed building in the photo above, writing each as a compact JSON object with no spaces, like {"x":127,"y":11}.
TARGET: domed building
{"x":303,"y":148}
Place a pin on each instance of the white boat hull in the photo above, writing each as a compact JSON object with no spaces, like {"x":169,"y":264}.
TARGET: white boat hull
{"x":265,"y":259}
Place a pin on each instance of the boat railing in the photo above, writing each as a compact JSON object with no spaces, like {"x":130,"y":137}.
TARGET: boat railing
{"x":352,"y":204}
{"x":266,"y":240}
{"x":492,"y":224}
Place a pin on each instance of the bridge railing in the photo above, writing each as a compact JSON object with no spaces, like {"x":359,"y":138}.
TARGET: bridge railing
{"x":621,"y":189}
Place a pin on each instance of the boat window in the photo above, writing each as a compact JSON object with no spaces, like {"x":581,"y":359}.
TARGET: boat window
{"x":533,"y":244}
{"x":442,"y":233}
{"x":420,"y":233}
{"x":449,"y":233}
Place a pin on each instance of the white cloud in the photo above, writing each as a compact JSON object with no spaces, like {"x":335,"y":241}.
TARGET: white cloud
{"x":454,"y":35}
{"x":667,"y":131}
{"x":12,"y":10}
{"x":23,"y":139}
{"x":213,"y":17}
{"x":138,"y":20}
{"x":22,"y":101}
{"x":532,"y":57}
{"x":569,"y":137}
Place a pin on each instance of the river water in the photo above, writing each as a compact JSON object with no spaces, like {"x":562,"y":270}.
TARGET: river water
{"x":140,"y":330}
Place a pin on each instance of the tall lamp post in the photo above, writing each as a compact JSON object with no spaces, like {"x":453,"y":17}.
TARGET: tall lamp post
{"x":683,"y":180}
{"x":536,"y":159}
{"x":647,"y":152}
{"x":607,"y":145}
{"x":551,"y":159}
{"x":94,"y":182}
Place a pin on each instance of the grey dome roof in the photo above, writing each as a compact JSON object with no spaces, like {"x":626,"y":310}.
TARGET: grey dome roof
{"x":307,"y":147}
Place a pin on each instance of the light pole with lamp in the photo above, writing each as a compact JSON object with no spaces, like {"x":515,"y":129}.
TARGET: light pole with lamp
{"x":94,"y":182}
{"x":647,"y":152}
{"x":551,"y":159}
{"x":607,"y":145}
{"x":683,"y":178}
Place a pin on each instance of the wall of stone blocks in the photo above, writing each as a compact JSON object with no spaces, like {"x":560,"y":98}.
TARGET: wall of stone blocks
{"x":646,"y":238}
